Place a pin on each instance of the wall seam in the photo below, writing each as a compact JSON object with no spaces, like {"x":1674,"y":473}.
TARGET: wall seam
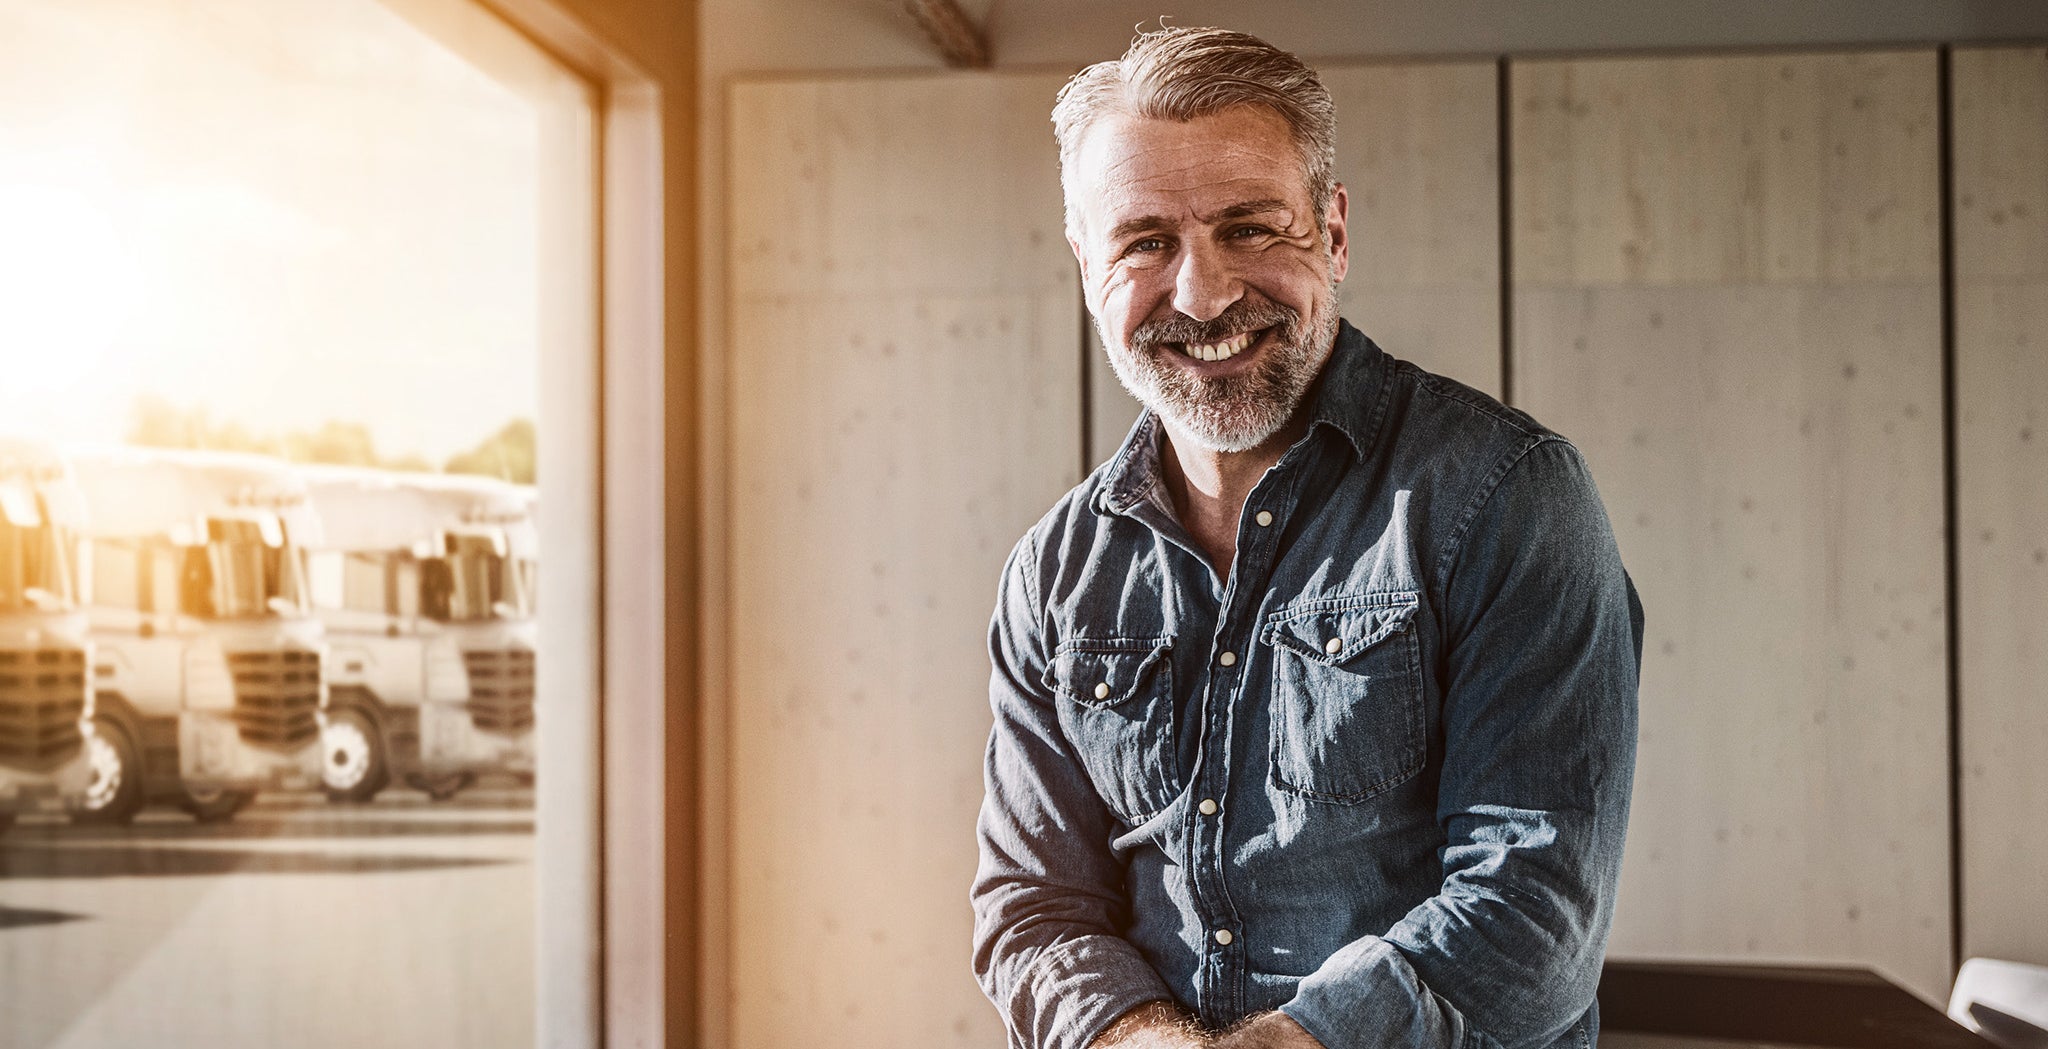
{"x":1503,"y":98}
{"x":1945,"y":146}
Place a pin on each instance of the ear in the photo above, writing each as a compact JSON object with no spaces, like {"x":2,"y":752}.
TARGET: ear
{"x":1340,"y":238}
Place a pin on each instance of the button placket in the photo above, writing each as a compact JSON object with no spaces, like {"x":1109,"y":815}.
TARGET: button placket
{"x":1223,"y":972}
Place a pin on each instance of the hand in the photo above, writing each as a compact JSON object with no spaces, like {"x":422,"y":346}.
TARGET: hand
{"x":1153,"y":1025}
{"x":1275,"y":1030}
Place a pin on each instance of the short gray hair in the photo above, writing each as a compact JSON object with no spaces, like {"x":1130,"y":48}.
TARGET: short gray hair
{"x":1181,"y":73}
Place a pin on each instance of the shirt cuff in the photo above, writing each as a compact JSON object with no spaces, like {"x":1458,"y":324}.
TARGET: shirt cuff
{"x":1079,"y":987}
{"x":1367,"y":996}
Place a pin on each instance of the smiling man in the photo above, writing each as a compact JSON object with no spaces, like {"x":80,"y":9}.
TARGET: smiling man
{"x":1315,"y":706}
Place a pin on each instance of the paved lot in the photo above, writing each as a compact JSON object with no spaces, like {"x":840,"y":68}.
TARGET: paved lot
{"x":399,"y":924}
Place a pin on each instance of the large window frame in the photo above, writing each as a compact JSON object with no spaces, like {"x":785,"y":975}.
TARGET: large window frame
{"x":606,"y":907}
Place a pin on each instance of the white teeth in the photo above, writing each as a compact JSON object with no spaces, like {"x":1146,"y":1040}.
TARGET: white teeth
{"x":1221,"y":351}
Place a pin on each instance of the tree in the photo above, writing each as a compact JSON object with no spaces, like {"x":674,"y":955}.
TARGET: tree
{"x":345,"y":444}
{"x":161,"y":424}
{"x":506,"y":455}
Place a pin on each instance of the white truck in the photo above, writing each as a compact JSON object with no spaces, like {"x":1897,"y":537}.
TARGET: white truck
{"x":46,"y":696}
{"x":423,"y":582}
{"x":207,"y":658}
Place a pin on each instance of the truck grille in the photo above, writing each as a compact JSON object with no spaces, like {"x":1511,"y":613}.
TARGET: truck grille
{"x":500,"y":688}
{"x":277,"y":696}
{"x":42,"y":696}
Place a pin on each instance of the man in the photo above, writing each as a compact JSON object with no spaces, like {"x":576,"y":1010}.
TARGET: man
{"x":1315,"y":706}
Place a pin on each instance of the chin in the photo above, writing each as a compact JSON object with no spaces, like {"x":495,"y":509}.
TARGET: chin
{"x":1232,"y":437}
{"x":1237,"y":413}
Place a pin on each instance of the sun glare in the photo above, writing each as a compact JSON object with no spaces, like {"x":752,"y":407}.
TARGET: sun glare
{"x":265,"y":216}
{"x":68,"y":281}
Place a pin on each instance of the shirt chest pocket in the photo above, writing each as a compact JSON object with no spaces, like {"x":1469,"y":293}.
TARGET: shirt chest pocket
{"x":1347,"y":716}
{"x":1116,"y":706}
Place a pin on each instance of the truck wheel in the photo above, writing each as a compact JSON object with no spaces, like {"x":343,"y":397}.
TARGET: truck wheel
{"x":442,"y":787}
{"x":352,"y":766}
{"x":215,"y":804}
{"x":114,"y":793}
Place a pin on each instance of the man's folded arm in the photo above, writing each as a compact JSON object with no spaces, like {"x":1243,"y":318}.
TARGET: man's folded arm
{"x":1048,"y":895}
{"x":1543,"y":635}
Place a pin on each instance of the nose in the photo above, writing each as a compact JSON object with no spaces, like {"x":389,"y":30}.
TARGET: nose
{"x":1206,"y":283}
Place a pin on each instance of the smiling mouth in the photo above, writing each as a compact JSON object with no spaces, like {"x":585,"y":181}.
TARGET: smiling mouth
{"x":1223,"y":350}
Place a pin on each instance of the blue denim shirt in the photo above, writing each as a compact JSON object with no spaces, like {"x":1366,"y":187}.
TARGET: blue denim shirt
{"x":1377,"y":778}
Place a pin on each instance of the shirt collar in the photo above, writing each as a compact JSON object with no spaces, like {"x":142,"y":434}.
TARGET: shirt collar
{"x":1343,"y":398}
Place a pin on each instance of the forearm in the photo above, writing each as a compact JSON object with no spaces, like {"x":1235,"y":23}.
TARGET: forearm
{"x":1275,"y":1030}
{"x":1064,"y":994}
{"x":1163,"y":1025}
{"x":1153,"y":1025}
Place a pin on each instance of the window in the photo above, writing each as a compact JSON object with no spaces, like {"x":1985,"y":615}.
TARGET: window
{"x":313,"y":230}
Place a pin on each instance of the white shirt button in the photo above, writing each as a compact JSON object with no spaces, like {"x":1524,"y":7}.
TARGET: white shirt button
{"x":1228,"y":659}
{"x":1264,"y":518}
{"x":1223,"y":937}
{"x":1102,"y":690}
{"x":1208,"y":806}
{"x":1333,"y":645}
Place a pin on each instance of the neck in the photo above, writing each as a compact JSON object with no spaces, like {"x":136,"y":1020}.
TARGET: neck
{"x":1209,"y":487}
{"x":1198,"y":474}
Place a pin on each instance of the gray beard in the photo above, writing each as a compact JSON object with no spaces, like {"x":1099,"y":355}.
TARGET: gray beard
{"x":1234,"y":413}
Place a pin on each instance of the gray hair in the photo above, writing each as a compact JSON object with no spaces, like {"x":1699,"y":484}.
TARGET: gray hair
{"x":1183,"y":73}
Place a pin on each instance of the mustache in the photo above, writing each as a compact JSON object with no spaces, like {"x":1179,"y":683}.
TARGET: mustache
{"x":1240,"y":316}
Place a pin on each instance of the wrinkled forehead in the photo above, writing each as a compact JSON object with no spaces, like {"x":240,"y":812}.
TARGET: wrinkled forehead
{"x":1125,"y":163}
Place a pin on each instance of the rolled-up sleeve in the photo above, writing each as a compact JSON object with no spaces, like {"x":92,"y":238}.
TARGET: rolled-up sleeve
{"x":1048,"y":894}
{"x":1543,"y":642}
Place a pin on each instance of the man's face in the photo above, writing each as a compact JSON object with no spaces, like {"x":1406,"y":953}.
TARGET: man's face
{"x":1213,"y":288}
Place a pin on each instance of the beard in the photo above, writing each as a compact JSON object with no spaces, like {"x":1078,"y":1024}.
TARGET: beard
{"x":1232,"y":413}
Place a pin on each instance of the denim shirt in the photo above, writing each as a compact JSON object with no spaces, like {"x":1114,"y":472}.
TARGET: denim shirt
{"x":1377,"y":777}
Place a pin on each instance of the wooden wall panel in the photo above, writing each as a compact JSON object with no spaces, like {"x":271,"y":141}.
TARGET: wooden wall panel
{"x":905,"y":377}
{"x":2000,"y":135}
{"x":1727,"y":292}
{"x":1418,"y":149}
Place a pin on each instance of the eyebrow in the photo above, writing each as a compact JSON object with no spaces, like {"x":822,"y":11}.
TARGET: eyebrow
{"x":1244,"y":209}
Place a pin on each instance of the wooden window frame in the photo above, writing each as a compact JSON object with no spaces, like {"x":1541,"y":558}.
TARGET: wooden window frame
{"x":612,"y":852}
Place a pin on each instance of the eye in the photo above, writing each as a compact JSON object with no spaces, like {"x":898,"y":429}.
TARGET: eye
{"x":1145,"y":251}
{"x":1248,"y":232}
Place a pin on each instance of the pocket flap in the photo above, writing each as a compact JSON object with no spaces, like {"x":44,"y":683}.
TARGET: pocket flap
{"x":1106,"y":672}
{"x":1335,"y":630}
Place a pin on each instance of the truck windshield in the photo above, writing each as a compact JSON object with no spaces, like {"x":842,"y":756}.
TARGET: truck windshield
{"x":34,"y":572}
{"x":473,"y":582}
{"x":241,"y":573}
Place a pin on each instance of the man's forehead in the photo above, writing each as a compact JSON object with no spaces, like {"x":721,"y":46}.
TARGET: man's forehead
{"x":1117,"y":141}
{"x":1132,"y":164}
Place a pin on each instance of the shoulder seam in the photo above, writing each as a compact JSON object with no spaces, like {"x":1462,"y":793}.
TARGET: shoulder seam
{"x":1455,"y":541}
{"x":1430,"y":382}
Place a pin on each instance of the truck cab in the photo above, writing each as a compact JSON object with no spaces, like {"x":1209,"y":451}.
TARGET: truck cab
{"x":46,"y":696}
{"x":208,"y":661}
{"x":423,"y":583}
